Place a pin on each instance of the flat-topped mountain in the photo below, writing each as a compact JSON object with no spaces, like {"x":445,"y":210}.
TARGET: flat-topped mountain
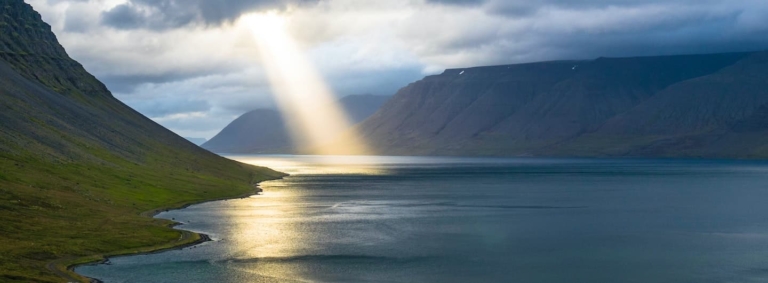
{"x":686,"y":105}
{"x":77,"y":166}
{"x":264,"y":130}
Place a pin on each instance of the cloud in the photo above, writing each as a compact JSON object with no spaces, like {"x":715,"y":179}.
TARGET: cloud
{"x":150,"y":14}
{"x":217,"y":11}
{"x":499,"y":32}
{"x":159,"y":107}
{"x":191,"y":66}
{"x":166,"y":14}
{"x":458,"y":2}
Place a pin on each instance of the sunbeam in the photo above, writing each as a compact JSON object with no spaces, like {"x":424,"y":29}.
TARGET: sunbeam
{"x":316,"y":121}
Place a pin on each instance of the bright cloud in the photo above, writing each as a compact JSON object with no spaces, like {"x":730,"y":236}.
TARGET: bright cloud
{"x":188,"y":64}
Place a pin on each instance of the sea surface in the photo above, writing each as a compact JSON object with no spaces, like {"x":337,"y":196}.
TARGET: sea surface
{"x":428,"y":219}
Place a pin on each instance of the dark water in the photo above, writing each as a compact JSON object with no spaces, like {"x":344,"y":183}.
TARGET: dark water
{"x":476,"y":220}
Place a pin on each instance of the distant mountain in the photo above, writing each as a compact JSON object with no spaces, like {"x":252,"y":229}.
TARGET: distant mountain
{"x":197,"y":141}
{"x":711,"y":105}
{"x":264,"y":131}
{"x":77,"y":166}
{"x":257,"y":131}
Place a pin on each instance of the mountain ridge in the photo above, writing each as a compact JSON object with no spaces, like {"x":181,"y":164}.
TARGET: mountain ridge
{"x":536,"y":108}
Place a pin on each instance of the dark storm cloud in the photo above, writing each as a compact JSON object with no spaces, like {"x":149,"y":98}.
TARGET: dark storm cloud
{"x":215,"y":11}
{"x":164,"y":14}
{"x":151,"y":14}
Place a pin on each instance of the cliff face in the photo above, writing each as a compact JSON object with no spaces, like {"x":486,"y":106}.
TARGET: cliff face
{"x":607,"y":106}
{"x":24,"y":31}
{"x":77,"y":166}
{"x":33,"y":51}
{"x":48,"y":96}
{"x":265,"y":131}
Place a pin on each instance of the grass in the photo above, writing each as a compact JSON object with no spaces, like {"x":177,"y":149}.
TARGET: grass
{"x":79,"y":169}
{"x":83,"y":211}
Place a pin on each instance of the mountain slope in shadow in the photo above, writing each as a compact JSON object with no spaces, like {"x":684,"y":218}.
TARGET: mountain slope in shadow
{"x":640,"y":106}
{"x":264,"y":130}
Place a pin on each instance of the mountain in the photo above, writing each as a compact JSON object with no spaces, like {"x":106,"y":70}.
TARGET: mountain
{"x":264,"y":130}
{"x":360,"y":107}
{"x":257,"y":131}
{"x":197,"y":141}
{"x":77,"y":166}
{"x":710,"y":105}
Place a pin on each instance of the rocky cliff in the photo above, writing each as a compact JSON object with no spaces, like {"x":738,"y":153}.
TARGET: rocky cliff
{"x":33,"y":51}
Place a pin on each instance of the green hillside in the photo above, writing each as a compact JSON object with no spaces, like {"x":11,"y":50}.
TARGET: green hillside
{"x":78,"y":167}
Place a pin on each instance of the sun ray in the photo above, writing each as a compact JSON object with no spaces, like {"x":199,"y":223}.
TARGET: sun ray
{"x":316,"y":121}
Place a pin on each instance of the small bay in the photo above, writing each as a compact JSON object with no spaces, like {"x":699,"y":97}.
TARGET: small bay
{"x":444,"y":219}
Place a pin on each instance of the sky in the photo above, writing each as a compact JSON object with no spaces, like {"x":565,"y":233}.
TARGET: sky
{"x":193,"y":66}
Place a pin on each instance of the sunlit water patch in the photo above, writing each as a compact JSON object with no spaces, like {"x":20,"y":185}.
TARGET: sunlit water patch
{"x":406,"y":219}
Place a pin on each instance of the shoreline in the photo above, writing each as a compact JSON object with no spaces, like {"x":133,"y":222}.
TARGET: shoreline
{"x":65,"y":267}
{"x":202,"y":239}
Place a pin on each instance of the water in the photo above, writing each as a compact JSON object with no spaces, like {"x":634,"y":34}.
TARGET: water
{"x":407,"y":219}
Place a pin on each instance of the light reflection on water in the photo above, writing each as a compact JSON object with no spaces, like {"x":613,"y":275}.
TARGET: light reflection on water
{"x":365,"y":165}
{"x":319,"y":164}
{"x":406,"y":219}
{"x":262,"y":229}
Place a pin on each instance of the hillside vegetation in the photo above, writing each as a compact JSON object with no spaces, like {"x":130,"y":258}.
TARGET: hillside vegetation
{"x":78,"y":167}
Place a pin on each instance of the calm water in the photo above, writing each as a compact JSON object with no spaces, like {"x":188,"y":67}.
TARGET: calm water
{"x":398,"y":219}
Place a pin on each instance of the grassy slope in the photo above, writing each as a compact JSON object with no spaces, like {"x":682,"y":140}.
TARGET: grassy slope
{"x":78,"y":167}
{"x":49,"y":210}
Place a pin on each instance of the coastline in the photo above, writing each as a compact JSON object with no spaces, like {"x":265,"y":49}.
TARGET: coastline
{"x":64,"y":267}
